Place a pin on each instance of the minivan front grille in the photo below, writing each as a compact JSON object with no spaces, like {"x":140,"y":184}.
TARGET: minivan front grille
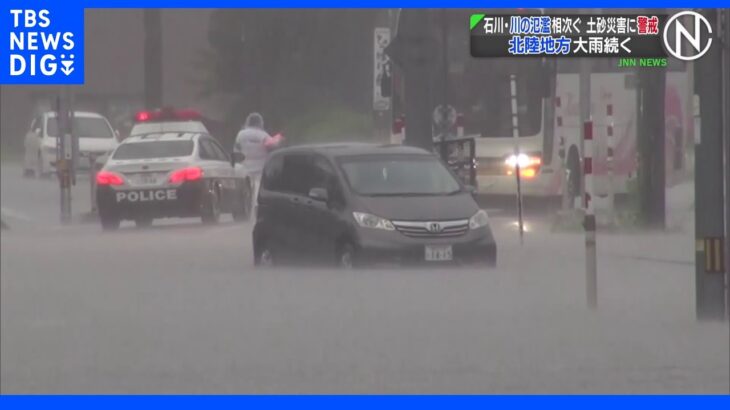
{"x":433,"y":229}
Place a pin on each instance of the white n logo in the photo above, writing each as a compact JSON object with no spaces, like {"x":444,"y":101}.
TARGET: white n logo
{"x":681,"y":33}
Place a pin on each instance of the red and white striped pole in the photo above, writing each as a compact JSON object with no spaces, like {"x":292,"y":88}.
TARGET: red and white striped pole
{"x":589,"y":222}
{"x":562,"y":153}
{"x":399,"y":130}
{"x":403,"y":130}
{"x":610,"y":144}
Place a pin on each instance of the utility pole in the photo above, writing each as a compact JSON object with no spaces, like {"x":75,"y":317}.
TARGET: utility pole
{"x":724,"y":42}
{"x":382,"y":75}
{"x":64,"y":152}
{"x":709,"y":195}
{"x":152,"y":58}
{"x":725,"y":36}
{"x":414,"y":50}
{"x":650,"y":130}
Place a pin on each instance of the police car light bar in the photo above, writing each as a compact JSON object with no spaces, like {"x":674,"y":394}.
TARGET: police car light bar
{"x":168,"y":114}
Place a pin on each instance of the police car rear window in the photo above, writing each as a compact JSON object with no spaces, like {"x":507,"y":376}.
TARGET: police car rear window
{"x":154,"y":149}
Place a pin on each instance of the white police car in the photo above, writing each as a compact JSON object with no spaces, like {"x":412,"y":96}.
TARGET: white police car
{"x":163,"y":170}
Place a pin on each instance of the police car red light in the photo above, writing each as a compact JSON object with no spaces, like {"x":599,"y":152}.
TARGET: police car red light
{"x":142,"y":116}
{"x":168,"y":114}
{"x":108,"y":178}
{"x":186,"y":174}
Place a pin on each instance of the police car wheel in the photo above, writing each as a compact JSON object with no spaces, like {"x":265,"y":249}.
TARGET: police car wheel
{"x":211,"y":208}
{"x":264,"y":256}
{"x":243,"y":209}
{"x":345,"y":256}
{"x":109,"y":223}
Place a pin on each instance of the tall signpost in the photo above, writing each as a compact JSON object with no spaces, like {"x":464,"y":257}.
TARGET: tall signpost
{"x":651,"y":142}
{"x":725,"y":36}
{"x":382,"y":82}
{"x":64,"y":152}
{"x":517,"y":155}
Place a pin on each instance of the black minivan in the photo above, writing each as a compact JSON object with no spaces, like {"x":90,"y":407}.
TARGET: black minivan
{"x":364,"y":204}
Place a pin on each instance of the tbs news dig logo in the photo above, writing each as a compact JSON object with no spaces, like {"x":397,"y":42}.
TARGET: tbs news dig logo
{"x":42,"y":50}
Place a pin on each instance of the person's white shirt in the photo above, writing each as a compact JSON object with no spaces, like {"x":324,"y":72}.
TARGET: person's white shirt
{"x":250,"y":142}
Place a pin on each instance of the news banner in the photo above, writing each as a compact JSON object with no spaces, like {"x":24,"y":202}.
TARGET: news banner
{"x":567,"y":35}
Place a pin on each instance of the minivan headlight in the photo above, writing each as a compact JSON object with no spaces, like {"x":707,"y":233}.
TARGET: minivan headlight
{"x":372,"y":221}
{"x":480,"y":219}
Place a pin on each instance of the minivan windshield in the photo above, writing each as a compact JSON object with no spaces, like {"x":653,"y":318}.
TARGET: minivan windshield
{"x":398,"y":175}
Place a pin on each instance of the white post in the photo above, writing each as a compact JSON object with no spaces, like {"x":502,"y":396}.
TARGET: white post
{"x":610,"y":145}
{"x":516,"y":138}
{"x":590,"y":218}
{"x":92,"y":181}
{"x":398,"y":131}
{"x":562,"y":154}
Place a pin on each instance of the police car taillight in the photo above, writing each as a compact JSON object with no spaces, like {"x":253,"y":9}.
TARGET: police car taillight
{"x":186,"y":174}
{"x":168,"y":114}
{"x":108,"y":178}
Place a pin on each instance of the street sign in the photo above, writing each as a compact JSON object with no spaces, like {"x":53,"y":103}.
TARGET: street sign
{"x":381,"y":70}
{"x":444,"y":116}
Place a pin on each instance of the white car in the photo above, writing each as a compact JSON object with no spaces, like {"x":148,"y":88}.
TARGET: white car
{"x":96,"y":137}
{"x":168,"y":120}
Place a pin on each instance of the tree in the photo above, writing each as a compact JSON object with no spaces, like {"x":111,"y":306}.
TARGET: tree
{"x":285,"y":63}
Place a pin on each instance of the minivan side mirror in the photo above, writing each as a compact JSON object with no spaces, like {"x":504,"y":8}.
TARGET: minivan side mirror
{"x":319,"y":194}
{"x":237,"y":158}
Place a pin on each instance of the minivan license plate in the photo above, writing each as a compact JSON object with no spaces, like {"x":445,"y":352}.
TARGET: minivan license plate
{"x":439,"y":253}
